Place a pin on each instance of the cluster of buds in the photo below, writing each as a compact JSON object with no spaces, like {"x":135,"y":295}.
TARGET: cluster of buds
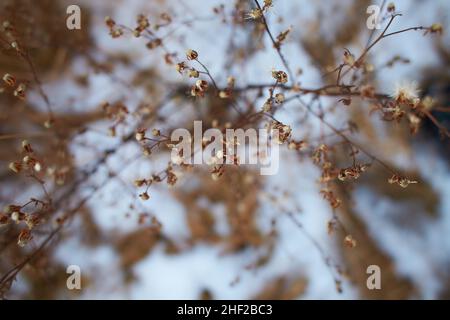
{"x":28,"y":161}
{"x":199,"y":89}
{"x":14,"y":214}
{"x":114,"y":31}
{"x":32,"y":163}
{"x":142,"y":24}
{"x":353,"y":172}
{"x":182,"y":66}
{"x":280,"y":76}
{"x":331,"y":198}
{"x":401,"y":181}
{"x":20,"y":90}
{"x":405,"y":101}
{"x":281,"y":132}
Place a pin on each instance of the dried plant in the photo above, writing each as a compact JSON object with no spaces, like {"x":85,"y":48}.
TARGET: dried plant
{"x":46,"y":188}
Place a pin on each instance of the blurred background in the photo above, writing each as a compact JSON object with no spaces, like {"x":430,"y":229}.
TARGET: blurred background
{"x":245,"y":235}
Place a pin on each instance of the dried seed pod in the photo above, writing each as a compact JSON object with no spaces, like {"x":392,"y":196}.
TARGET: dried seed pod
{"x":49,"y":123}
{"x":116,"y":33}
{"x":191,"y":54}
{"x":349,"y":58}
{"x":140,"y":135}
{"x":283,"y":131}
{"x":279,"y":98}
{"x":436,"y":28}
{"x":401,"y":181}
{"x":20,"y":91}
{"x":391,"y":7}
{"x":142,"y":22}
{"x":9,"y":80}
{"x":15,"y":45}
{"x":180,"y":67}
{"x":231,"y":81}
{"x":4,"y":219}
{"x":280,"y":76}
{"x":155,"y":43}
{"x":32,"y":220}
{"x":15,"y":166}
{"x":217,"y":173}
{"x":144,"y":196}
{"x":15,"y":216}
{"x":26,"y":146}
{"x":110,"y":22}
{"x":147,"y":151}
{"x":224,"y":94}
{"x":24,"y":237}
{"x":140,"y":182}
{"x":172,"y":178}
{"x":254,"y":14}
{"x":267,"y":4}
{"x":202,"y":85}
{"x":193,"y":73}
